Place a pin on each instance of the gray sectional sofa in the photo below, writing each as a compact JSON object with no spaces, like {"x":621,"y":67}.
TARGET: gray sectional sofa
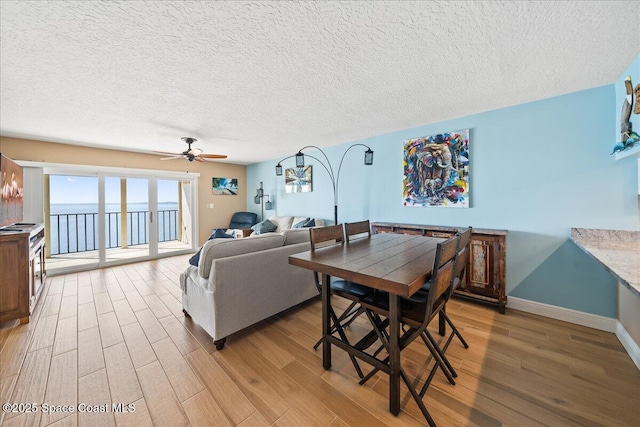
{"x":239,"y":282}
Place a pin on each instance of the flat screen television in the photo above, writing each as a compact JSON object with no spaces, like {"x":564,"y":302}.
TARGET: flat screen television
{"x":12,"y":191}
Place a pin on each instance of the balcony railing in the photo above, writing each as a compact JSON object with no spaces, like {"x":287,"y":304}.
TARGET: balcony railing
{"x":78,"y":232}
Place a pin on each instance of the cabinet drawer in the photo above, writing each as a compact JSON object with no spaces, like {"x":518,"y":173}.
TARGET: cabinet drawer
{"x":440,"y":234}
{"x":412,"y":231}
{"x":381,"y":229}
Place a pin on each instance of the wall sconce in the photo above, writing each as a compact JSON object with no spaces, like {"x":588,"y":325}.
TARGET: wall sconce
{"x":368,"y":160}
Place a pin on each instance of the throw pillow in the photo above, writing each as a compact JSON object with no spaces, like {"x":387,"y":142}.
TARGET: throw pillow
{"x":265,"y":226}
{"x":220,"y":233}
{"x":301,"y":223}
{"x":311,"y":222}
{"x":216,"y":233}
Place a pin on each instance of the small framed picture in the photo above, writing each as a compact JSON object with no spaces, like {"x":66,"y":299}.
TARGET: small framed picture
{"x":224,"y":186}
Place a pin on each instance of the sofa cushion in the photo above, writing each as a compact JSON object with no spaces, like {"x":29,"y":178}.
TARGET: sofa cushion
{"x":217,"y":233}
{"x":310,"y":223}
{"x":222,"y":248}
{"x":283,"y":222}
{"x":295,"y":235}
{"x":265,"y":226}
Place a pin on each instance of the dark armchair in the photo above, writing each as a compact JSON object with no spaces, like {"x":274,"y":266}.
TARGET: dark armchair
{"x":243,"y":220}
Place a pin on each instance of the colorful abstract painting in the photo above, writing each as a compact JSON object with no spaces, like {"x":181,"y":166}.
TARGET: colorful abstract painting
{"x":298,"y":180}
{"x":224,"y":186}
{"x":436,"y":170}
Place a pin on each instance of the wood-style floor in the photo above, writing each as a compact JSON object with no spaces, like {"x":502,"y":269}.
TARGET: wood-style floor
{"x":118,"y":335}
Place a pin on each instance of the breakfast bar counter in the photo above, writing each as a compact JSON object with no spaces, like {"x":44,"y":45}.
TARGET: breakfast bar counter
{"x":619,"y":252}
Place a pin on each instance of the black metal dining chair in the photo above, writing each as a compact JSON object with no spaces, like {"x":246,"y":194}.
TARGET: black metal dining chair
{"x":464,"y":246}
{"x":321,"y":237}
{"x":416,"y":313}
{"x":360,"y":229}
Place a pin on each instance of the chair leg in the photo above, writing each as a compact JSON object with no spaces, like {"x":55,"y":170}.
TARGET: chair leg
{"x":455,"y":330}
{"x":378,"y":326}
{"x":417,"y":398}
{"x":345,"y":315}
{"x":439,"y":362}
{"x":441,"y":354}
{"x":354,"y":316}
{"x":343,"y":336}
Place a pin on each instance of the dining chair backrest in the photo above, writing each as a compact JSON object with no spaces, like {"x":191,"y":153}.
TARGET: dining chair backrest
{"x":464,"y":246}
{"x":352,"y":229}
{"x":441,"y":277}
{"x":329,"y":234}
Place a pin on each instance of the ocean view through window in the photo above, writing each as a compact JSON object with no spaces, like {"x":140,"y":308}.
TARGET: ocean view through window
{"x":70,"y":220}
{"x":74,"y":214}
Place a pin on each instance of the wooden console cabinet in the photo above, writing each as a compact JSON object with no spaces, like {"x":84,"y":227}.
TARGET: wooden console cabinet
{"x":485,"y":279}
{"x":22,"y":270}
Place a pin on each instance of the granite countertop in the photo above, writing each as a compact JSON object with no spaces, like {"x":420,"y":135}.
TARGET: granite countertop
{"x":617,"y":250}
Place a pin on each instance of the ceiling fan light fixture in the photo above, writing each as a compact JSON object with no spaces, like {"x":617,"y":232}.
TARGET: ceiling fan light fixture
{"x":191,"y":154}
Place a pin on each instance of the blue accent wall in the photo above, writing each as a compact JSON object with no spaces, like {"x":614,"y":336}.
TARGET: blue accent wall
{"x":537,"y":169}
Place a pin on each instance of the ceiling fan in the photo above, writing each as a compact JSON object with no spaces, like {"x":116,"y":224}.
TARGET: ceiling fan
{"x":192,"y":154}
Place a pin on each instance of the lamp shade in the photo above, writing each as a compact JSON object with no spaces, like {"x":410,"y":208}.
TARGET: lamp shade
{"x":368,"y":157}
{"x":300,"y":159}
{"x":279,"y":169}
{"x":268,"y":206}
{"x":256,"y":200}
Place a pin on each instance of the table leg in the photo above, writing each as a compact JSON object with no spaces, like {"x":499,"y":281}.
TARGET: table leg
{"x":326,"y":321}
{"x":394,"y":354}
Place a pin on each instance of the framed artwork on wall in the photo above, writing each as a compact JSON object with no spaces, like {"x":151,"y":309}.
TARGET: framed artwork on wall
{"x":224,"y":186}
{"x":436,"y":170}
{"x":298,"y":180}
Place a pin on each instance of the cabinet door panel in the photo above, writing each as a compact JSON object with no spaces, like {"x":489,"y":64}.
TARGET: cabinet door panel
{"x":480,"y":261}
{"x":14,"y":254}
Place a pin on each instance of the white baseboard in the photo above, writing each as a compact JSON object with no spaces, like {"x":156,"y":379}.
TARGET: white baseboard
{"x":601,"y":323}
{"x":629,"y":344}
{"x":594,"y":321}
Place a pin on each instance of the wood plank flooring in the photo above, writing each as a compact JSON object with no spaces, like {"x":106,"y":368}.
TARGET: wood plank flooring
{"x":118,"y":335}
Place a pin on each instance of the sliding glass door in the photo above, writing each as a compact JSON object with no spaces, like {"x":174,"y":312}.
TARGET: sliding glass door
{"x":71,"y":221}
{"x":174,"y":218}
{"x":126,"y":217}
{"x":108,"y":219}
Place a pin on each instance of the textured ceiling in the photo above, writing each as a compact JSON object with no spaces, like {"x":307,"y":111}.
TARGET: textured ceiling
{"x":258,"y":80}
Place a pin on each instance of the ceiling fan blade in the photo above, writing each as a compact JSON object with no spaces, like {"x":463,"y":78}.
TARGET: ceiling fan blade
{"x":213,"y":156}
{"x":172,"y":157}
{"x":166,"y":153}
{"x":198,"y":159}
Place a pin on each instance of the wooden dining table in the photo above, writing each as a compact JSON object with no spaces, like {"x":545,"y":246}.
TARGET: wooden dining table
{"x":397,"y":263}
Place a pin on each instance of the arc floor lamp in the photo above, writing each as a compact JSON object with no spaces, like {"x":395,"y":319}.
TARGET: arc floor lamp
{"x":258,"y":199}
{"x":335,"y":177}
